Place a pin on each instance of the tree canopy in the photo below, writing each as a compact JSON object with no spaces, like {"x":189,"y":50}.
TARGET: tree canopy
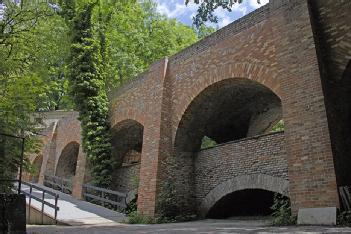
{"x":67,"y":55}
{"x":206,"y":9}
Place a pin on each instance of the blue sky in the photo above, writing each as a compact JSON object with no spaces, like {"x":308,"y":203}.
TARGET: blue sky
{"x":177,"y":9}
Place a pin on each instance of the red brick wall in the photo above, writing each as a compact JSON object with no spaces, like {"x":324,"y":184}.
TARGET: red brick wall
{"x":273,"y":46}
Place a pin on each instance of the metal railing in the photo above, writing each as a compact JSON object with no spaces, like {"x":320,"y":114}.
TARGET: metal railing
{"x":41,"y":199}
{"x":58,"y":183}
{"x":105,"y":197}
{"x":345,"y":194}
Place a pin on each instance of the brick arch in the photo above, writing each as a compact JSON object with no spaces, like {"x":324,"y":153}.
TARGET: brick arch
{"x":127,"y":114}
{"x":254,"y":181}
{"x":71,"y":149}
{"x":256,"y":72}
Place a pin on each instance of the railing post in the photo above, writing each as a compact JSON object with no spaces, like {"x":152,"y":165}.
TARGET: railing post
{"x":56,"y":197}
{"x":30,"y":201}
{"x":62,"y":190}
{"x":42,"y":208}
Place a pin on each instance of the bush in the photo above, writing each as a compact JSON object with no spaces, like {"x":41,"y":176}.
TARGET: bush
{"x":135,"y":218}
{"x":344,"y":218}
{"x":132,"y":207}
{"x":282,"y":211}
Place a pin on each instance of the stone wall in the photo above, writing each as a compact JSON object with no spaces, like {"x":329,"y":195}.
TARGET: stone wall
{"x":126,"y":178}
{"x":263,"y":154}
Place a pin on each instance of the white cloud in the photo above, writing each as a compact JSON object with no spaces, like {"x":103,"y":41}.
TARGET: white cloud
{"x":225,"y":17}
{"x":254,"y":4}
{"x":176,"y":9}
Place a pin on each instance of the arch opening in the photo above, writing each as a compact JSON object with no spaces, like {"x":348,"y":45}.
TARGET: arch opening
{"x":247,"y":202}
{"x":127,"y":142}
{"x":228,"y":110}
{"x":66,"y":166}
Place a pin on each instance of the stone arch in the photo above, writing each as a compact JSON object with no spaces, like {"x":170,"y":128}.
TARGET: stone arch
{"x":257,"y":72}
{"x":127,"y":144}
{"x":67,"y":161}
{"x":254,"y":181}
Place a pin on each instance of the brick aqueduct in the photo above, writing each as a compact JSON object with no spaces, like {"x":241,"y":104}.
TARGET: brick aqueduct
{"x":287,"y":60}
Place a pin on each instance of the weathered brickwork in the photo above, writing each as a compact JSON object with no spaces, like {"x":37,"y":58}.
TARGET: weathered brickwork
{"x":332,"y":34}
{"x":289,"y":60}
{"x":262,"y":155}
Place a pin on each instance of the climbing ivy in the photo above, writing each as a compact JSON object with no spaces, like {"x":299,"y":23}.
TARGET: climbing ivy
{"x":88,"y":91}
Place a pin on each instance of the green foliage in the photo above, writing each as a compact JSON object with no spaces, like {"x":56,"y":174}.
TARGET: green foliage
{"x":344,"y":218}
{"x":47,"y":53}
{"x":278,"y":127}
{"x":282,"y":211}
{"x":207,"y":142}
{"x":21,"y":88}
{"x":204,"y":31}
{"x":89,"y":95}
{"x":132,"y":207}
{"x":206,"y":10}
{"x":136,"y":218}
{"x":137,"y":36}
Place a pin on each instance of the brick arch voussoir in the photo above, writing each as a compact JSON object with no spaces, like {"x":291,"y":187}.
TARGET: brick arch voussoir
{"x":254,"y":181}
{"x":129,"y":114}
{"x":256,"y":72}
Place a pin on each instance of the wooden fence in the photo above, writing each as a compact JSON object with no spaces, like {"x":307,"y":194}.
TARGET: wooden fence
{"x":105,"y":197}
{"x":58,"y":183}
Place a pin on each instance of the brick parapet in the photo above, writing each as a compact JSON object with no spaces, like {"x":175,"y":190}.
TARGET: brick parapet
{"x":263,"y":154}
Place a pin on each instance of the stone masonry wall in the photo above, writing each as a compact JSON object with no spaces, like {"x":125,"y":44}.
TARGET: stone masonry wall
{"x":263,"y":154}
{"x":126,"y":178}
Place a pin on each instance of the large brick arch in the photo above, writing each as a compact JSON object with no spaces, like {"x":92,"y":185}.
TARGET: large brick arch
{"x":254,"y":181}
{"x":222,"y":86}
{"x":233,"y":70}
{"x":67,"y":160}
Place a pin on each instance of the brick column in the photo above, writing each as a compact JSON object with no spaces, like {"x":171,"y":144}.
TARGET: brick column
{"x":313,"y":189}
{"x":153,"y":149}
{"x":78,"y":179}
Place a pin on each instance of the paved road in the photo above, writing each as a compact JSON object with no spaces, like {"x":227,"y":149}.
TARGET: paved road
{"x":76,"y":212}
{"x":203,"y":227}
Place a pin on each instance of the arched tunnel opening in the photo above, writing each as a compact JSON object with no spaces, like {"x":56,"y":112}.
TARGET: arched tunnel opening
{"x":127,"y":143}
{"x":247,"y":202}
{"x":66,"y":166}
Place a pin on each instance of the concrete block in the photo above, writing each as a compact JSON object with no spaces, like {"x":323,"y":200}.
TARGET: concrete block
{"x":317,"y":216}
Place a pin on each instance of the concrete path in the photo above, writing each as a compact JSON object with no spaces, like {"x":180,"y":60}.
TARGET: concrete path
{"x":75,"y":212}
{"x":204,"y":227}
